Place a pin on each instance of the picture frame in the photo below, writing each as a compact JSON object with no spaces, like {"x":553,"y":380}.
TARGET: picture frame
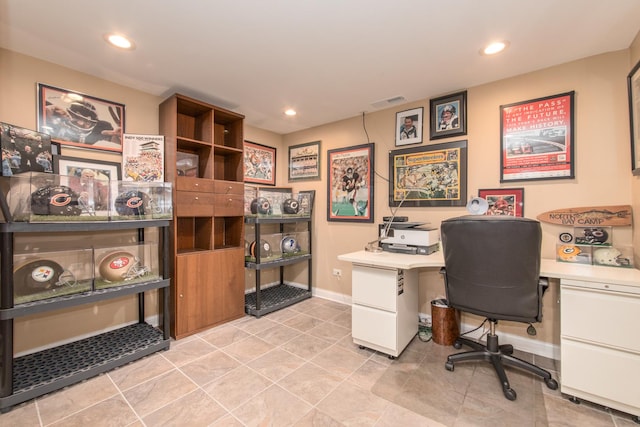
{"x":24,"y":150}
{"x":79,"y":120}
{"x":143,"y":158}
{"x":633,"y":87}
{"x":259,"y":163}
{"x":431,"y":175}
{"x":504,"y":201}
{"x":409,"y":125}
{"x":304,"y":161}
{"x":104,"y":174}
{"x":533,"y":147}
{"x":448,"y":116}
{"x":350,"y":184}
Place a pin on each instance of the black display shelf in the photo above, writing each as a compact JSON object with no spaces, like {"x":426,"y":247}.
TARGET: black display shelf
{"x":274,"y":298}
{"x":50,"y":227}
{"x":52,"y":369}
{"x":277,"y":263}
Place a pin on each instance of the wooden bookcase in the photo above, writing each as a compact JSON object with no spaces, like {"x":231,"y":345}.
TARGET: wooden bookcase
{"x":204,"y":154}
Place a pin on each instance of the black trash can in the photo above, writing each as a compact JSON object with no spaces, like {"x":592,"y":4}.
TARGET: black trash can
{"x":445,"y":322}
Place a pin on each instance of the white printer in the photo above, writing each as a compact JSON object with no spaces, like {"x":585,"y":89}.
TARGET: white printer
{"x":409,"y":238}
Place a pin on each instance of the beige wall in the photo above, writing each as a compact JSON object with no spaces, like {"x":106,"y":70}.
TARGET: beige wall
{"x":635,"y":181}
{"x":603,"y":174}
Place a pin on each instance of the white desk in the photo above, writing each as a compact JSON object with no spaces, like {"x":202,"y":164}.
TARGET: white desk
{"x":600,"y":311}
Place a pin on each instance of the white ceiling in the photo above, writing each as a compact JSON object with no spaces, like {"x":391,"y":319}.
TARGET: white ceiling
{"x":328,"y":59}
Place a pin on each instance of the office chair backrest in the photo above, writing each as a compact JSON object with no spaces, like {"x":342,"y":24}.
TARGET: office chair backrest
{"x":492,"y":266}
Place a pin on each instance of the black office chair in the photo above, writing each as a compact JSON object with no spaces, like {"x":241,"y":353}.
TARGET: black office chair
{"x":492,"y":269}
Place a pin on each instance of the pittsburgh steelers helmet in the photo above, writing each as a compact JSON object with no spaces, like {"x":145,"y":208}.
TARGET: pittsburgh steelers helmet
{"x":36,"y":276}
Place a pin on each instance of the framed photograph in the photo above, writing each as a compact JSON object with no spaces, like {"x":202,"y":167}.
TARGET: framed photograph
{"x":24,"y":150}
{"x":504,"y":201}
{"x":409,"y":126}
{"x":143,"y":158}
{"x":80,"y":120}
{"x":633,"y":86}
{"x":350,"y":183}
{"x":259,"y":164}
{"x":431,"y":175}
{"x":448,"y":115}
{"x":536,"y":139}
{"x":304,"y":161}
{"x":93,"y":174}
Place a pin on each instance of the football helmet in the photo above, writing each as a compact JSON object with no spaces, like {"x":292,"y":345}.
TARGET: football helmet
{"x":265,"y":249}
{"x":121,"y":266}
{"x":132,"y":203}
{"x":36,"y":276}
{"x":289,"y":245}
{"x":56,"y":200}
{"x":290,"y":206}
{"x":261,"y":206}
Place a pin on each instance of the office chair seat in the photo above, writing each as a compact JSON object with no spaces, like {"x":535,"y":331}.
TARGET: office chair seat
{"x":492,"y":269}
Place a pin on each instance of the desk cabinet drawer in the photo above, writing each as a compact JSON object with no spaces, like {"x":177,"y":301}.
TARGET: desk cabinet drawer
{"x":374,"y":326}
{"x":201,"y":185}
{"x":375,"y":287}
{"x":228,"y":187}
{"x":229,"y":204}
{"x":600,"y":316}
{"x":601,"y":373}
{"x":190,"y":203}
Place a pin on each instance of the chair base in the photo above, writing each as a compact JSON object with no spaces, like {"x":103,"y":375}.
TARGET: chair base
{"x":499,"y":356}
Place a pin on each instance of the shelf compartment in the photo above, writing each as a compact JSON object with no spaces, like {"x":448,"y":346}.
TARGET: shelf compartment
{"x":194,"y":234}
{"x":228,"y":232}
{"x":228,"y":165}
{"x":40,"y":373}
{"x":195,"y":121}
{"x":274,"y":298}
{"x":228,"y":129}
{"x":193,"y":160}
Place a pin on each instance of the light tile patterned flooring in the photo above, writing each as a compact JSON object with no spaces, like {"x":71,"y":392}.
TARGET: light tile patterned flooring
{"x":299,"y":366}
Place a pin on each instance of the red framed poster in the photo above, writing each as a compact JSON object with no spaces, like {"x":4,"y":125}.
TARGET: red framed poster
{"x":536,"y":139}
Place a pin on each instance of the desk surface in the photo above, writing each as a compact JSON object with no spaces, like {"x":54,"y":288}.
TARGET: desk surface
{"x":548,"y":267}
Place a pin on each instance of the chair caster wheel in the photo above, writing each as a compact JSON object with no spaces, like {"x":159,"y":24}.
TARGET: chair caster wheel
{"x":510,"y":394}
{"x":551,"y":383}
{"x":392,"y":358}
{"x":449,"y":366}
{"x":361,"y":347}
{"x":457,"y":345}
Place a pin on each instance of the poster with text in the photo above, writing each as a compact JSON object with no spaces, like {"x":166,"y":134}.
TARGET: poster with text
{"x":143,"y":158}
{"x":536,"y":139}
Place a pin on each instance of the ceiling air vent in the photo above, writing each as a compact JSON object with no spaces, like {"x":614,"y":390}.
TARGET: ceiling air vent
{"x":389,"y":102}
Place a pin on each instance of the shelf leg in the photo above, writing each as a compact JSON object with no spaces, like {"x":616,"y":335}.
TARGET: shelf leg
{"x":6,"y":326}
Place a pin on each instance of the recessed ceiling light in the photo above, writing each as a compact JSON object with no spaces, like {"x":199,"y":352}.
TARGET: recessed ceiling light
{"x":119,"y":41}
{"x":290,"y":112}
{"x":495,"y":47}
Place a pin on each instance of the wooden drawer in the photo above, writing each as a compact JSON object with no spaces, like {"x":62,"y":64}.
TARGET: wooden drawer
{"x":191,"y":203}
{"x":228,"y":187}
{"x":187,"y":183}
{"x":229,"y":204}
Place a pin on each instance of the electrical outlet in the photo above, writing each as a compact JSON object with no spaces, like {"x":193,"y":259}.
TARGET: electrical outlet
{"x":337,"y":272}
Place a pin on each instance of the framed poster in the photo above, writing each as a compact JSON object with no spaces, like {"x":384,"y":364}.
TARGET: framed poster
{"x":431,"y":175}
{"x":259,"y":163}
{"x":304,"y":161}
{"x":350,"y":183}
{"x":409,"y":126}
{"x":504,"y":201}
{"x":633,"y":86}
{"x":80,"y":120}
{"x":448,"y":115}
{"x":143,"y":158}
{"x":24,"y":150}
{"x":536,"y":139}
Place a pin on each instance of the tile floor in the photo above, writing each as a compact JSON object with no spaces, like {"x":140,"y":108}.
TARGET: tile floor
{"x":299,"y":367}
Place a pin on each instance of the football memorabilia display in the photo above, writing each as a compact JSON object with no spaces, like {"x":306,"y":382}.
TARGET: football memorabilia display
{"x":120,"y":266}
{"x":289,"y":245}
{"x":37,"y":276}
{"x":58,"y":200}
{"x":132,"y":203}
{"x":261,"y":206}
{"x":264,"y":247}
{"x":599,"y":236}
{"x":612,"y":216}
{"x":290,"y":206}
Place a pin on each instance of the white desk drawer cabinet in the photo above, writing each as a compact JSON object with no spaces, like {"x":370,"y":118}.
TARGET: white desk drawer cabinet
{"x":384,"y":308}
{"x":600,"y":350}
